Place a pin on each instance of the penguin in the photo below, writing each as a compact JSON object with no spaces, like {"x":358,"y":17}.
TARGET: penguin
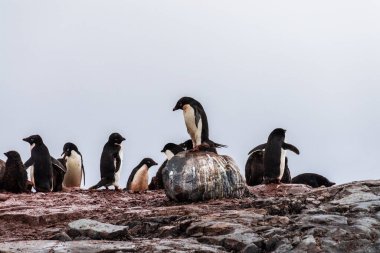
{"x":111,"y":162}
{"x":170,"y":150}
{"x":196,"y":123}
{"x":254,"y":169}
{"x":312,"y":179}
{"x":2,"y":171}
{"x":73,"y":162}
{"x":274,"y":155}
{"x":138,"y":180}
{"x":15,"y":175}
{"x":42,"y":168}
{"x":59,"y":171}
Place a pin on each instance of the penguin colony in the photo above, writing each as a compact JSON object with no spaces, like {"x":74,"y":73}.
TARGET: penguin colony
{"x":267,"y":163}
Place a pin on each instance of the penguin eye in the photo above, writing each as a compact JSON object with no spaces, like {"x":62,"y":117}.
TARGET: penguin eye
{"x":68,"y":149}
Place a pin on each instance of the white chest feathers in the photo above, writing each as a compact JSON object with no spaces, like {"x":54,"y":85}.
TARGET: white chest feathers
{"x":140,"y":180}
{"x":194,"y":130}
{"x":282,"y":163}
{"x":117,"y":174}
{"x":169,"y":154}
{"x":73,"y":176}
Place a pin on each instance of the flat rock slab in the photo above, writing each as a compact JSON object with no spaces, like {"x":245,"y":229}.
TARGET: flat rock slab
{"x":279,"y":189}
{"x":97,"y":230}
{"x":196,"y":176}
{"x":88,"y":246}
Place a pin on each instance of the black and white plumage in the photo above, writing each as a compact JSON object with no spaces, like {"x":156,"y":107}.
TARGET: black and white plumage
{"x":111,"y":162}
{"x":196,"y":122}
{"x":138,"y":180}
{"x":312,"y":179}
{"x":41,"y":164}
{"x":274,"y":155}
{"x":15,"y":175}
{"x":170,"y":150}
{"x":254,"y":169}
{"x":73,"y":161}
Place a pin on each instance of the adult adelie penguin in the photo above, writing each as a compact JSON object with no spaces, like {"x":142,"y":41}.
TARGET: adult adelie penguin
{"x":274,"y":155}
{"x":138,"y":180}
{"x":73,"y":161}
{"x":42,"y":170}
{"x":15,"y":175}
{"x":196,"y":123}
{"x":111,"y":162}
{"x":254,"y":169}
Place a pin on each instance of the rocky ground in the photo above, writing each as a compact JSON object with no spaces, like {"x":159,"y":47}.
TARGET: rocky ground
{"x":288,"y":218}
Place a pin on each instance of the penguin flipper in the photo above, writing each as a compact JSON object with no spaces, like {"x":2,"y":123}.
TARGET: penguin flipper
{"x":118,"y":162}
{"x":29,"y":163}
{"x":290,"y":147}
{"x":84,"y":176}
{"x":58,"y":165}
{"x":257,"y":148}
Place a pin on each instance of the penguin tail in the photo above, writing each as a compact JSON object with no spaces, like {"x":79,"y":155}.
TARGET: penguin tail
{"x":214,"y":144}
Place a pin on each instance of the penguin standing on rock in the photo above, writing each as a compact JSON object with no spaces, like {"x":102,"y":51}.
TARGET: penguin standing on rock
{"x":15,"y":175}
{"x":40,"y":160}
{"x":274,"y":155}
{"x":111,"y":162}
{"x":196,"y":123}
{"x":138,"y":180}
{"x":73,"y":161}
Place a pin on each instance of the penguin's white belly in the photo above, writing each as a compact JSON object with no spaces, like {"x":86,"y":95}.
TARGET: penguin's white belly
{"x":282,"y":163}
{"x":194,"y":130}
{"x":117,"y":174}
{"x":140,"y":180}
{"x":31,"y":174}
{"x":73,"y":175}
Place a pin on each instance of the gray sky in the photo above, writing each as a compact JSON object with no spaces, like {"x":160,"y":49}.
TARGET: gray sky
{"x":80,"y":70}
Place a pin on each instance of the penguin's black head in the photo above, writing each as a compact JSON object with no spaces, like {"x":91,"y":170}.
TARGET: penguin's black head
{"x":174,"y":148}
{"x":148,"y":162}
{"x":188,"y":145}
{"x":13,"y":155}
{"x":184,"y":101}
{"x":116,"y":138}
{"x":33,"y":139}
{"x":68,"y":147}
{"x":278,"y":132}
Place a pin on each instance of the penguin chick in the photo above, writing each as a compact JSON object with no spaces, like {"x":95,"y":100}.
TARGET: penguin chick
{"x":15,"y":175}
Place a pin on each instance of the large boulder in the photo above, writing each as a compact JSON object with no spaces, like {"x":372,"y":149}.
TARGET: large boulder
{"x":194,"y":176}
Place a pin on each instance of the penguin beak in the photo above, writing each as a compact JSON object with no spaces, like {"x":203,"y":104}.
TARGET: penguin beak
{"x":123,"y":138}
{"x":162,"y":151}
{"x":25,"y":139}
{"x":155,"y":163}
{"x":6,"y":154}
{"x":176,"y":107}
{"x":64,"y":152}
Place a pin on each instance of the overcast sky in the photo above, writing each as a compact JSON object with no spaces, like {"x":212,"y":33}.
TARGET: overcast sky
{"x":80,"y":70}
